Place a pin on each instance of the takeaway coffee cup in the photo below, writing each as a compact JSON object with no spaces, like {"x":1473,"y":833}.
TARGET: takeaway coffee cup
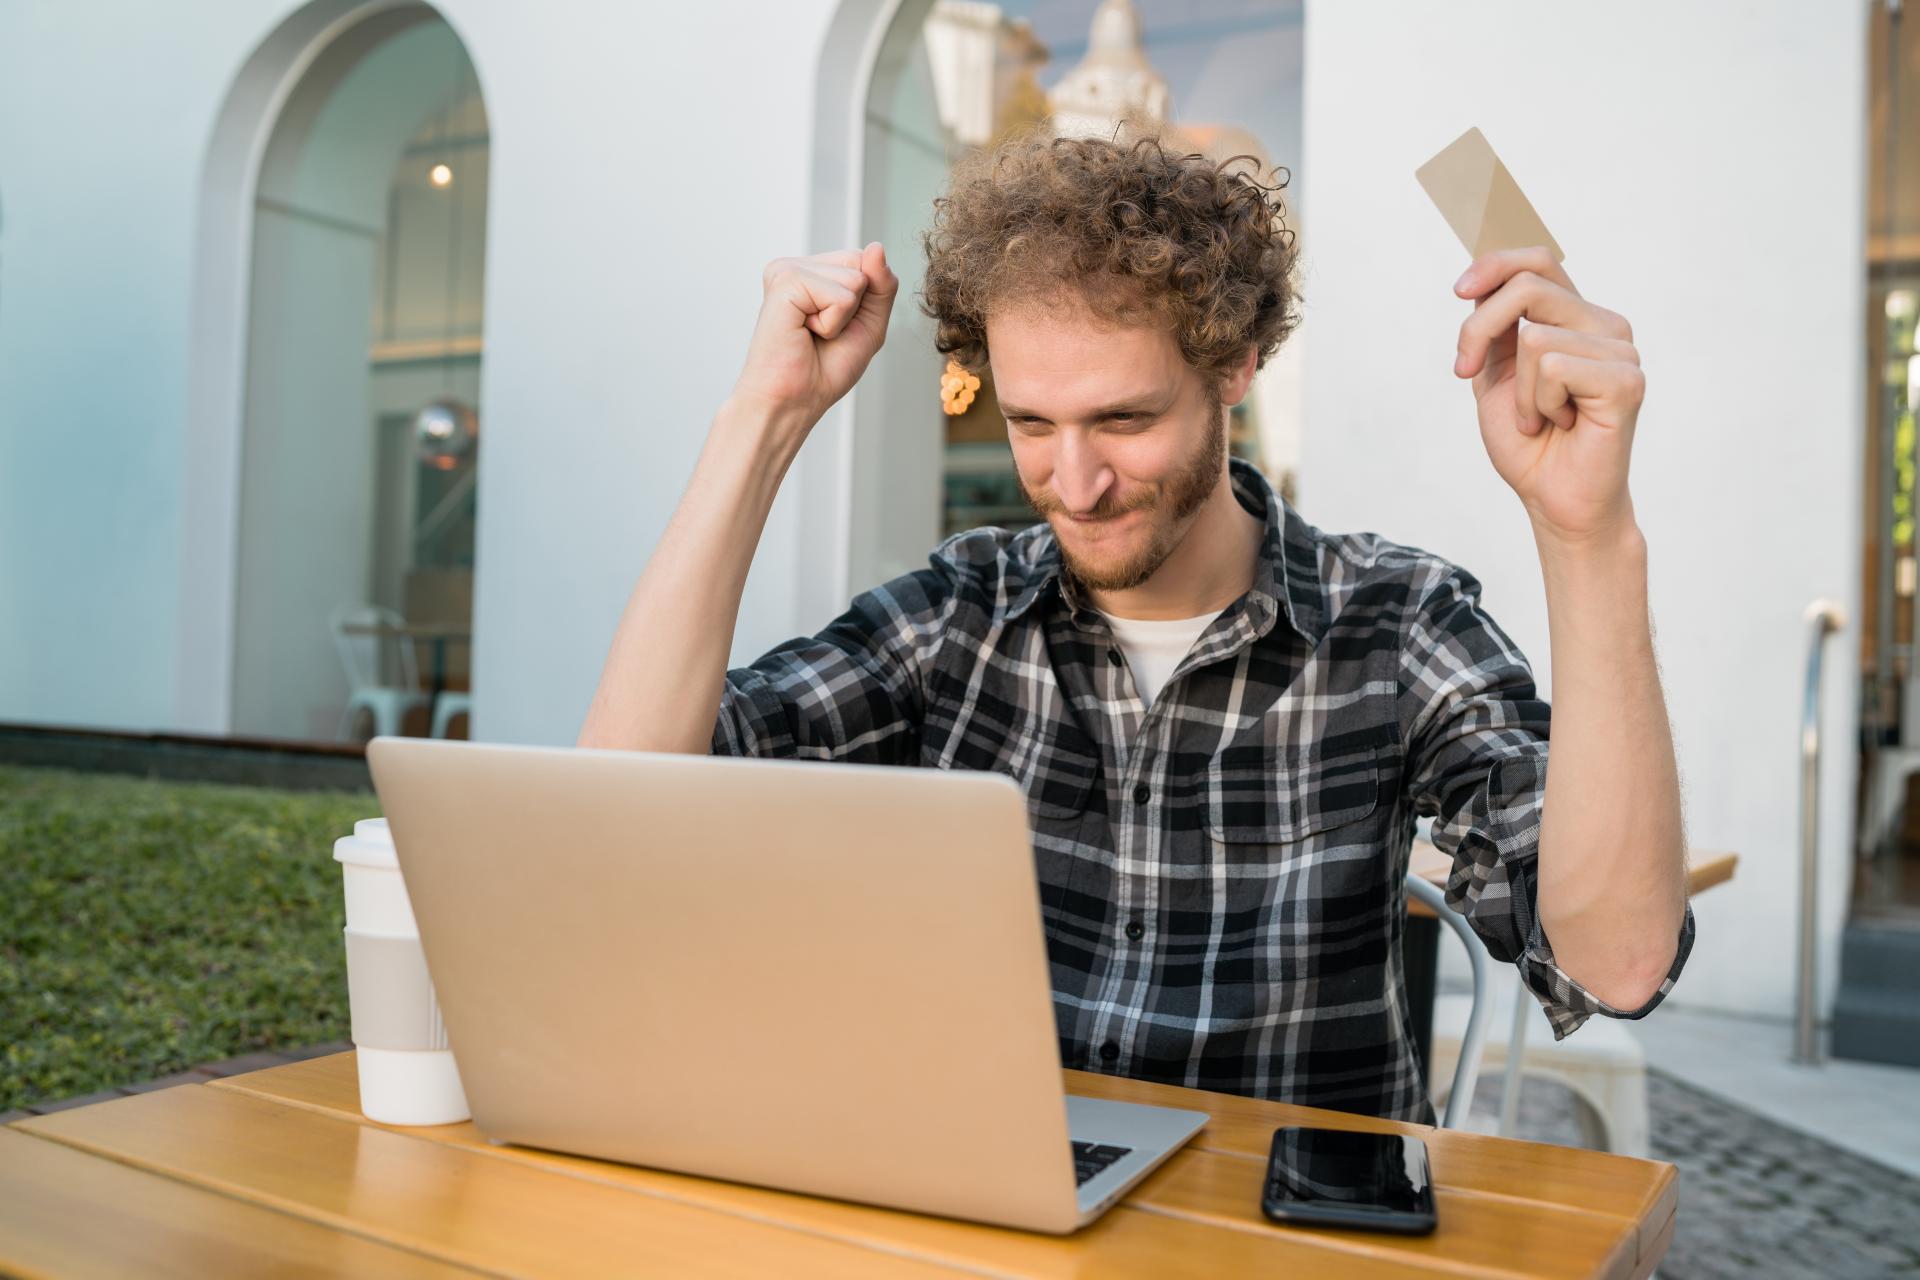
{"x":407,"y":1072}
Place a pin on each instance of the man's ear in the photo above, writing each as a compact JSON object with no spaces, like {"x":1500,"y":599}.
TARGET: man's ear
{"x":1233,"y":388}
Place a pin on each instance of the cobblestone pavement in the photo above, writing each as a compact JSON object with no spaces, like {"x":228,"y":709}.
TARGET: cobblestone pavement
{"x":1757,"y":1199}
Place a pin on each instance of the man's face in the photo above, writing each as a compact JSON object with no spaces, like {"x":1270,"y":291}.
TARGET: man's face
{"x":1117,"y":440}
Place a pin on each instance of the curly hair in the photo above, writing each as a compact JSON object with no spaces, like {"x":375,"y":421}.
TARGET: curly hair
{"x":1136,"y":232}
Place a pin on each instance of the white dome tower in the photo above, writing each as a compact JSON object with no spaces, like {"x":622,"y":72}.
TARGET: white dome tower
{"x":1113,"y":81}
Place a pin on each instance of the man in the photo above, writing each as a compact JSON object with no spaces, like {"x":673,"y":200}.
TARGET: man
{"x":1225,"y":720}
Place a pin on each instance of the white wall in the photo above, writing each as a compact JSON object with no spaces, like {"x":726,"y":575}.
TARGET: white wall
{"x":1701,"y":165}
{"x":99,"y":160}
{"x":646,"y":161}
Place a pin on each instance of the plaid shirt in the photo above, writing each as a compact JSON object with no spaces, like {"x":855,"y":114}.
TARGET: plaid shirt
{"x":1221,"y":874}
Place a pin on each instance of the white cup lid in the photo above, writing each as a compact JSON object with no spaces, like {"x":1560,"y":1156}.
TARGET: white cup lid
{"x":370,"y":845}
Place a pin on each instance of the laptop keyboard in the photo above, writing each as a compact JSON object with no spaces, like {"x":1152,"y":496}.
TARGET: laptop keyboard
{"x":1090,"y":1158}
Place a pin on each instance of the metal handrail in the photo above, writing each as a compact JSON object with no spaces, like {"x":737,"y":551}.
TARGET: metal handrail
{"x":1826,"y":618}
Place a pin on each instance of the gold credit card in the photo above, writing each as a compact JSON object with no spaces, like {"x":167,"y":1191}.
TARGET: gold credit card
{"x":1480,"y":200}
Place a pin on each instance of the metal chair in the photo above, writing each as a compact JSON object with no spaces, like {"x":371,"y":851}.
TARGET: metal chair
{"x":1466,"y":1071}
{"x":1603,"y":1066}
{"x":360,"y":656}
{"x":451,"y":703}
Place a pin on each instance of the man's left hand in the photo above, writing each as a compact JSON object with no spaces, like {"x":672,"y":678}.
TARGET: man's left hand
{"x":1558,"y":396}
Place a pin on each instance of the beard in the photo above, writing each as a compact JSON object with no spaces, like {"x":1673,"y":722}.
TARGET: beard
{"x":1170,"y":505}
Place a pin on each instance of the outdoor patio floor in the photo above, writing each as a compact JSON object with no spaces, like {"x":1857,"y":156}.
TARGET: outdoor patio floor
{"x":1785,"y":1170}
{"x":1870,"y":1109}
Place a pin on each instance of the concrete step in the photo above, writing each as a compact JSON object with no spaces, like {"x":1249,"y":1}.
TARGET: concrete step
{"x":1876,"y":1012}
{"x":1880,"y":955}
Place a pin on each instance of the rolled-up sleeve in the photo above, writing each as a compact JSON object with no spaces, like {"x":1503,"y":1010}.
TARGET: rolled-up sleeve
{"x":853,"y":692}
{"x":1476,"y":733}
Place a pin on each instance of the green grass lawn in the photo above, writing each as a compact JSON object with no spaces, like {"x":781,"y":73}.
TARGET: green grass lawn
{"x":146,"y":927}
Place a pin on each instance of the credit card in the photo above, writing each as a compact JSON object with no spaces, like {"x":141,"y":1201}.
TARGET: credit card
{"x":1480,"y":200}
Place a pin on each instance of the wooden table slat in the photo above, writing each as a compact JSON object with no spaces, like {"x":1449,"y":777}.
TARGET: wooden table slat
{"x":1706,"y":868}
{"x":1521,"y":1208}
{"x":497,"y":1215}
{"x":1640,"y":1192}
{"x":389,"y":1193}
{"x":1191,"y":1188}
{"x":289,"y":1146}
{"x":68,"y":1214}
{"x":1658,"y":1242}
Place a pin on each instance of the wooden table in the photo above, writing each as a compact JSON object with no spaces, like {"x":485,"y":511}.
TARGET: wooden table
{"x":278,"y":1171}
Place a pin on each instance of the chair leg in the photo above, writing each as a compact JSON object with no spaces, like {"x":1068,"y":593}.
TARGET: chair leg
{"x":1595,"y":1134}
{"x":445,"y":711}
{"x":351,"y":721}
{"x":1627,"y":1113}
{"x":1514,"y":1078}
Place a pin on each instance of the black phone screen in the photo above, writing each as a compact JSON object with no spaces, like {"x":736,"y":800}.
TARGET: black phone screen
{"x":1332,"y":1177}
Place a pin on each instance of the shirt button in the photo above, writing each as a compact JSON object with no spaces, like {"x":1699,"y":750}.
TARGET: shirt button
{"x":1142,"y":793}
{"x":1109,"y":1051}
{"x":1135,"y":929}
{"x":1113,"y":656}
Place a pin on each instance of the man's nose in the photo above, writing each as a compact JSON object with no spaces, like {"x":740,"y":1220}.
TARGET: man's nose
{"x":1080,"y":475}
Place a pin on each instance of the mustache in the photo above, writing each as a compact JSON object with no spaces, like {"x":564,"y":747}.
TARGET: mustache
{"x":1047,"y":504}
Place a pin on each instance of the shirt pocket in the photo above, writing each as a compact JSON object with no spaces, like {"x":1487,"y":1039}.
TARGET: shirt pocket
{"x":1300,"y":835}
{"x":1258,"y":793}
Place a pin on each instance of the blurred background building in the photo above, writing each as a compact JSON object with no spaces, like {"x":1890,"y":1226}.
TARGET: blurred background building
{"x":969,"y":75}
{"x":355,"y":327}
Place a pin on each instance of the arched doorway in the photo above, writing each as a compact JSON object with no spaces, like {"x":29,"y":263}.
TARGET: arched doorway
{"x":352,"y":560}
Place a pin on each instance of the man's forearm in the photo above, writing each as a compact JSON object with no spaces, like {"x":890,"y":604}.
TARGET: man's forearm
{"x":1612,"y":847}
{"x":661,"y":685}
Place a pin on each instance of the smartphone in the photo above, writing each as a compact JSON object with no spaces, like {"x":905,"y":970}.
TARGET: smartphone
{"x":1336,"y":1178}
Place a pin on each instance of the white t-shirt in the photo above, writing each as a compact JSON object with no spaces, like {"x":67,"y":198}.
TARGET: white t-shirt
{"x":1154,"y":649}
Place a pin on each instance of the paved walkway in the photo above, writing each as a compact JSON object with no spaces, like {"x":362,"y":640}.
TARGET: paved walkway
{"x":1870,"y":1109}
{"x":1758,"y":1199}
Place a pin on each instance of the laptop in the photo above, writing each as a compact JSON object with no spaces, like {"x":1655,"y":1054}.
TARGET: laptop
{"x":823,"y":978}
